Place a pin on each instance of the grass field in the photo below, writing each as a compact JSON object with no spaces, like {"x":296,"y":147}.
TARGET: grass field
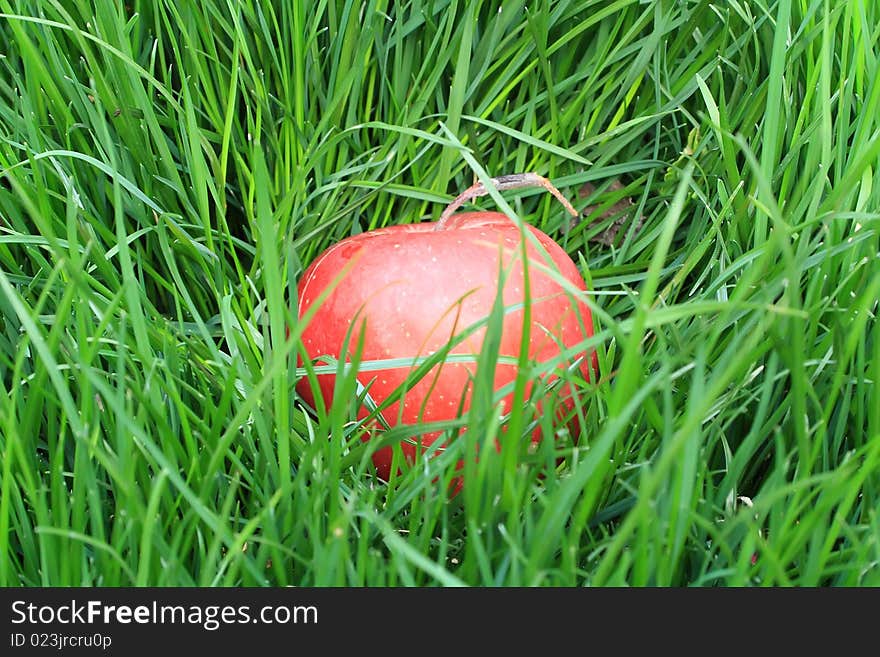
{"x":168,"y":169}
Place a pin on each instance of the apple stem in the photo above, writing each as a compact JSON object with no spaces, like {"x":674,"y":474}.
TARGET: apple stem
{"x":511,"y":181}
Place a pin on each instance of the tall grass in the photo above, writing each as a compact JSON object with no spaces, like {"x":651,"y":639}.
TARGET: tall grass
{"x":168,"y":169}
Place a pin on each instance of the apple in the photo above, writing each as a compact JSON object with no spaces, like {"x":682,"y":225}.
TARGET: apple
{"x":409,"y":289}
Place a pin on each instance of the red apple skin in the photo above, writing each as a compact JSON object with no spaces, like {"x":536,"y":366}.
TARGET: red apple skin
{"x":417,"y":287}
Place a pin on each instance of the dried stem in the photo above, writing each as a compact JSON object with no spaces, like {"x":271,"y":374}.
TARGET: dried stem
{"x":512,"y":181}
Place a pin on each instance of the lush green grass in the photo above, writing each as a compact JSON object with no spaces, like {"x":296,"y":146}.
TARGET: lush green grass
{"x":167,"y":170}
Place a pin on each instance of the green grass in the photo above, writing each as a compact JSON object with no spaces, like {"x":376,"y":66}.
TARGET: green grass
{"x":168,"y":169}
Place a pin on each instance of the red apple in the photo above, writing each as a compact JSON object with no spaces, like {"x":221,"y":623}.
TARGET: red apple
{"x":416,"y":286}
